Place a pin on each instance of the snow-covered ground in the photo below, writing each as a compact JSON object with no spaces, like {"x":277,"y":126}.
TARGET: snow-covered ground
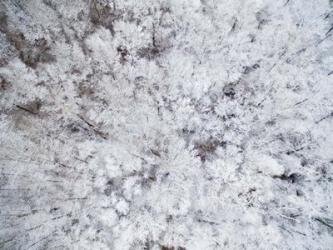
{"x":172,"y":125}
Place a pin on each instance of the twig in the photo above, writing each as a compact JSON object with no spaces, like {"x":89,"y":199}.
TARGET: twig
{"x":301,"y":102}
{"x":76,"y":198}
{"x":41,"y":239}
{"x":34,"y":228}
{"x":288,"y":217}
{"x":6,"y":241}
{"x":15,"y":215}
{"x":329,"y":30}
{"x":323,"y":222}
{"x":17,"y":189}
{"x":76,"y":158}
{"x":290,"y":231}
{"x":155,"y":152}
{"x":234,"y":25}
{"x":92,"y":126}
{"x":26,"y":110}
{"x":325,"y":117}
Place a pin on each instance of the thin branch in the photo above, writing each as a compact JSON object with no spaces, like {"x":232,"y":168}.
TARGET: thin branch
{"x":323,"y":222}
{"x":301,"y":102}
{"x":325,"y":117}
{"x":26,"y":110}
{"x":329,"y":30}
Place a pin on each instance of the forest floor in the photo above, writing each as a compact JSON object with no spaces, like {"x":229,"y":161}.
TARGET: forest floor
{"x":172,"y":125}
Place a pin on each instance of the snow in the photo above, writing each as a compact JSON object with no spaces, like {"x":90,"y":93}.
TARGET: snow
{"x":268,"y":165}
{"x":166,"y":125}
